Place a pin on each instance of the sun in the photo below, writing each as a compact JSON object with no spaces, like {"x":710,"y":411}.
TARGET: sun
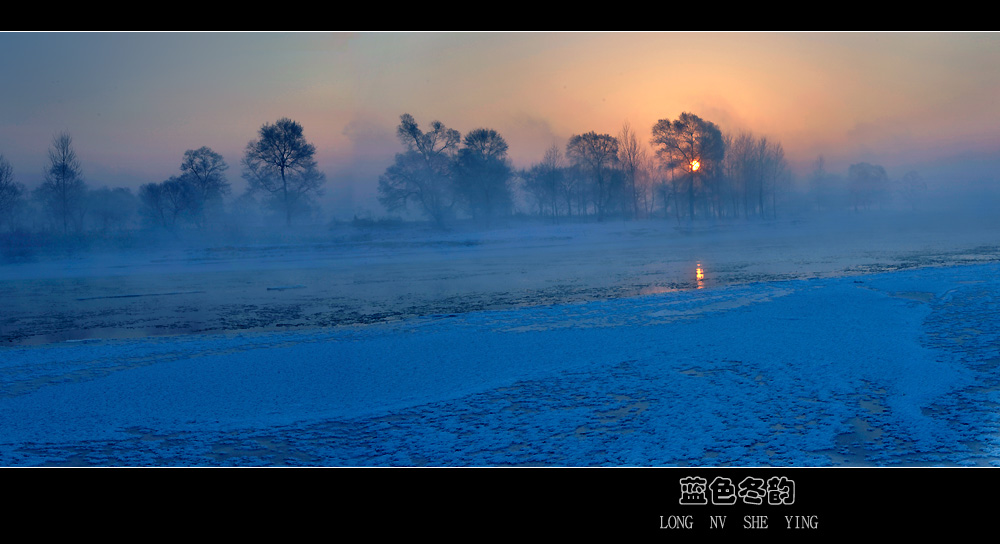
{"x":695,"y":165}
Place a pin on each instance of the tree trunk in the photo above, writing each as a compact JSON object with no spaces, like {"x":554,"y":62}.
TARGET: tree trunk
{"x":691,"y":197}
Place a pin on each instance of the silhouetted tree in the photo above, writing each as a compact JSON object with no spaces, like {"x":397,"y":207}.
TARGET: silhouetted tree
{"x":646,"y":178}
{"x":423,"y":173}
{"x":668,"y":186}
{"x":150,"y":204}
{"x":596,"y":155}
{"x":483,"y":175}
{"x":281,"y":163}
{"x":63,"y":192}
{"x":777,"y":177}
{"x":179,"y":198}
{"x":545,"y":182}
{"x":632,"y":161}
{"x":691,"y":145}
{"x":754,"y":167}
{"x":111,"y":209}
{"x":11,"y":194}
{"x":166,"y":204}
{"x":741,"y":169}
{"x":205,"y":170}
{"x":577,"y":184}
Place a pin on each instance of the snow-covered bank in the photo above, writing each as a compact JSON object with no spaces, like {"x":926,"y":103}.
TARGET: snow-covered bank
{"x":883,"y":369}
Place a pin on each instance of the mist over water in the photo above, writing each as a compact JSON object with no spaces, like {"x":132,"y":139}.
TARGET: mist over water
{"x":267,"y":278}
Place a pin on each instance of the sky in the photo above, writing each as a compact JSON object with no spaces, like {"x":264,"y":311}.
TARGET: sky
{"x":134,"y":102}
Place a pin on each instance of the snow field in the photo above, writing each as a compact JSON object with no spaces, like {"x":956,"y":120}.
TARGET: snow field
{"x":851,"y":370}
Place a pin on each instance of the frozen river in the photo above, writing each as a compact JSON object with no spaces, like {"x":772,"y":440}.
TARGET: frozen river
{"x":352,"y":276}
{"x":598,"y":344}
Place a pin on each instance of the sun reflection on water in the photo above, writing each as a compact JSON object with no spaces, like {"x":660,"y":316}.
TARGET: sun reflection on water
{"x":683,"y":285}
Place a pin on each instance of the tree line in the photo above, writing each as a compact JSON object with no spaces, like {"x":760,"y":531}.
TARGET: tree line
{"x":279,"y":166}
{"x":866,"y":186}
{"x":689,"y":170}
{"x":694,"y":171}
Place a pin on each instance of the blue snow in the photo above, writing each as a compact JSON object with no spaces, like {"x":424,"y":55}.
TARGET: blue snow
{"x":887,"y":369}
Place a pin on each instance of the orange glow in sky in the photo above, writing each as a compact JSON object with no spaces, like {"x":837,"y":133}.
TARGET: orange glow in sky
{"x":134,"y":102}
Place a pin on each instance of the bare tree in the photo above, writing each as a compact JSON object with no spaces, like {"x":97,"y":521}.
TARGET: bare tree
{"x":111,"y":209}
{"x":776,"y":175}
{"x":645,"y":185}
{"x":740,"y":168}
{"x":632,"y":159}
{"x":545,"y":181}
{"x":483,"y":175}
{"x":11,"y":194}
{"x":423,"y":173}
{"x":754,"y":168}
{"x":166,"y":204}
{"x":281,"y":163}
{"x":151,"y":205}
{"x":691,"y":145}
{"x":63,"y":192}
{"x":205,"y":170}
{"x":597,"y":156}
